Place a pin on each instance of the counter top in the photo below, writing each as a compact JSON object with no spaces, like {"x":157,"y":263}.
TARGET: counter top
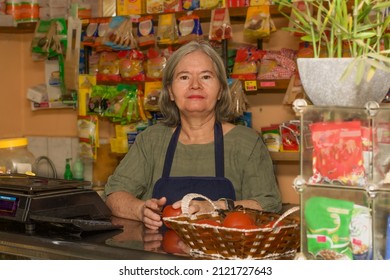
{"x":132,"y":242}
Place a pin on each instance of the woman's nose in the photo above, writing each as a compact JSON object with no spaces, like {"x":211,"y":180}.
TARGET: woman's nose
{"x":195,"y":83}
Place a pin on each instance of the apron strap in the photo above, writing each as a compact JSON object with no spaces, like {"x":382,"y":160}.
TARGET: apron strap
{"x":218,"y":151}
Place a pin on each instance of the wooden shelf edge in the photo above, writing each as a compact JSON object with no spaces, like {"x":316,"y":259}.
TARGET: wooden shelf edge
{"x":252,"y":87}
{"x":285,"y":156}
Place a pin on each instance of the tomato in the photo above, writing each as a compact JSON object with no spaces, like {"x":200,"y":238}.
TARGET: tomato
{"x":169,"y":211}
{"x":208,"y":222}
{"x":170,"y":242}
{"x":238,"y":219}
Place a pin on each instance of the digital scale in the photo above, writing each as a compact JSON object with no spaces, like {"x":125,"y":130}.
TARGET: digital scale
{"x":65,"y":203}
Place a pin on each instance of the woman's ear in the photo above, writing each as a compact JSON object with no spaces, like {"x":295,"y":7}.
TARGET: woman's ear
{"x":171,"y":96}
{"x":219,"y":95}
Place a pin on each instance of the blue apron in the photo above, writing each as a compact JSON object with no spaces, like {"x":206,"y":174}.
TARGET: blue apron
{"x":174,"y":188}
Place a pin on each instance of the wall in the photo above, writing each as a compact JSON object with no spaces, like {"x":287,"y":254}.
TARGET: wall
{"x":18,"y":72}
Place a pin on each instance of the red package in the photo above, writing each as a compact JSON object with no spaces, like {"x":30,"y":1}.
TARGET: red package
{"x":338,"y":153}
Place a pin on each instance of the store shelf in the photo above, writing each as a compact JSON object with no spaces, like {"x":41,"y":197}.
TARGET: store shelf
{"x":237,"y":15}
{"x":285,"y":156}
{"x":21,"y":28}
{"x":252,"y":87}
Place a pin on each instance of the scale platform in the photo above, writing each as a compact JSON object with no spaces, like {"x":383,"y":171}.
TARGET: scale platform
{"x":65,"y":203}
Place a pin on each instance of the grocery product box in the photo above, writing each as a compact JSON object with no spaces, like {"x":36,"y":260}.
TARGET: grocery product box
{"x":129,"y":7}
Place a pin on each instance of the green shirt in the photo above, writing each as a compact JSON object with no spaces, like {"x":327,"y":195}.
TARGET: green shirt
{"x":248,"y":165}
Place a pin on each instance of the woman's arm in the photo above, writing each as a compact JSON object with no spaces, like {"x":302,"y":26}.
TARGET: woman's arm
{"x":126,"y":205}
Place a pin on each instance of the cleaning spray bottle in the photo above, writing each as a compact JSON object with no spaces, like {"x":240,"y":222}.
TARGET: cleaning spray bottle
{"x":68,"y":175}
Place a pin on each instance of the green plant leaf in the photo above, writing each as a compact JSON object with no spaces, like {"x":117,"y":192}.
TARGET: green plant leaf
{"x":360,"y":69}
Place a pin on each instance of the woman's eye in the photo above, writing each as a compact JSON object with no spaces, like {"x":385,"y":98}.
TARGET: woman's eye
{"x":184,"y":77}
{"x":206,"y":77}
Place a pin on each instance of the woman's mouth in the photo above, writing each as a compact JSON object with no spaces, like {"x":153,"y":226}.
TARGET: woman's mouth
{"x":196,"y":97}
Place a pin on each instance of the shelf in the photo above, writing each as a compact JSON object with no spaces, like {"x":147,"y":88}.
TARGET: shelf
{"x":237,"y":15}
{"x":252,"y":87}
{"x":21,"y":28}
{"x":285,"y":156}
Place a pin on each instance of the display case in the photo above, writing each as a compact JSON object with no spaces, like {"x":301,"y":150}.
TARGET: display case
{"x":344,"y":181}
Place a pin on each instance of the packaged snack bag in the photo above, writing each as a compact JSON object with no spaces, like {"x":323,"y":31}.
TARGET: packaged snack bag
{"x":167,"y":32}
{"x":327,"y":222}
{"x":271,"y":137}
{"x":361,"y":233}
{"x":145,"y":31}
{"x":189,"y":5}
{"x":220,"y":25}
{"x":257,"y":23}
{"x":338,"y":152}
{"x":189,"y":28}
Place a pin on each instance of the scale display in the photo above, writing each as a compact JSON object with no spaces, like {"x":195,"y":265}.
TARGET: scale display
{"x":8,"y":205}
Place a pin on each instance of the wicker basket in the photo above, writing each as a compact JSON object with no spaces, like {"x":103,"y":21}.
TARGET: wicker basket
{"x":280,"y":241}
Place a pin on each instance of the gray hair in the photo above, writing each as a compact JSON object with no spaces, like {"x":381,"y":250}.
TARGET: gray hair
{"x":168,"y":107}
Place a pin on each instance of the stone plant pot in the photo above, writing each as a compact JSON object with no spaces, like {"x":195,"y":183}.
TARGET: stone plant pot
{"x":320,"y":79}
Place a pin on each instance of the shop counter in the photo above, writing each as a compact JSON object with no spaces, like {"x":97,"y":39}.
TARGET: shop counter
{"x":132,"y":242}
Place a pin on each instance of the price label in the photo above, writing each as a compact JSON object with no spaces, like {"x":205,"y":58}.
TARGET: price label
{"x":268,"y":84}
{"x":250,"y":85}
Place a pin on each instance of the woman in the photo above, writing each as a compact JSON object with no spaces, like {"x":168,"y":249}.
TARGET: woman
{"x":195,"y":149}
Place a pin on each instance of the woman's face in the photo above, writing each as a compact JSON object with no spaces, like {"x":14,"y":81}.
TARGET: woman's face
{"x":195,"y":86}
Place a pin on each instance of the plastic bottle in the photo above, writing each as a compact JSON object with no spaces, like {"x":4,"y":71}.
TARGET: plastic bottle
{"x":15,"y":157}
{"x":68,"y":175}
{"x":78,"y":170}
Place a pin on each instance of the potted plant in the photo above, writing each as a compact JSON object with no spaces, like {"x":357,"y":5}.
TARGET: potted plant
{"x":354,"y":35}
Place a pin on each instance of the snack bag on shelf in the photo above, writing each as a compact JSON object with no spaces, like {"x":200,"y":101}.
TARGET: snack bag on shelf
{"x":277,"y":65}
{"x":259,"y":2}
{"x":211,"y":4}
{"x":337,"y":153}
{"x":87,"y":127}
{"x":172,"y":6}
{"x":120,"y":34}
{"x":152,"y":95}
{"x":108,"y":67}
{"x":237,"y":3}
{"x":257,"y":23}
{"x":189,"y":28}
{"x":131,"y":65}
{"x":155,"y":63}
{"x":189,"y":5}
{"x":328,"y":228}
{"x":154,"y":6}
{"x":245,"y":64}
{"x":290,"y":133}
{"x":361,"y":233}
{"x":220,"y":28}
{"x":239,"y":100}
{"x":271,"y":137}
{"x":145,"y":31}
{"x":167,"y":32}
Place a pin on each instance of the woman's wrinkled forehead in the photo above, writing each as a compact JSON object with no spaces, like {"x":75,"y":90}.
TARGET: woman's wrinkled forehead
{"x":189,"y":60}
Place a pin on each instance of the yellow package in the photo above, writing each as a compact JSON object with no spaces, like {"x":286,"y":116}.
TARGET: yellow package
{"x":86,"y":82}
{"x":154,"y":6}
{"x":129,"y":7}
{"x":259,"y":2}
{"x":167,"y":32}
{"x":119,"y":145}
{"x":152,"y":94}
{"x":122,"y":130}
{"x":257,"y":23}
{"x":212,"y":4}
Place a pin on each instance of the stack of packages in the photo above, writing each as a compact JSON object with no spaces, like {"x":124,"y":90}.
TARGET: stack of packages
{"x":49,"y":9}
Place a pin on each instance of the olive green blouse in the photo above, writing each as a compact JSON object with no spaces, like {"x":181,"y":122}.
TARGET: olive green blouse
{"x":248,"y":165}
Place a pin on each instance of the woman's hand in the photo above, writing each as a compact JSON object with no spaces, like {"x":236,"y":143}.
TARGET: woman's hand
{"x":151,"y":212}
